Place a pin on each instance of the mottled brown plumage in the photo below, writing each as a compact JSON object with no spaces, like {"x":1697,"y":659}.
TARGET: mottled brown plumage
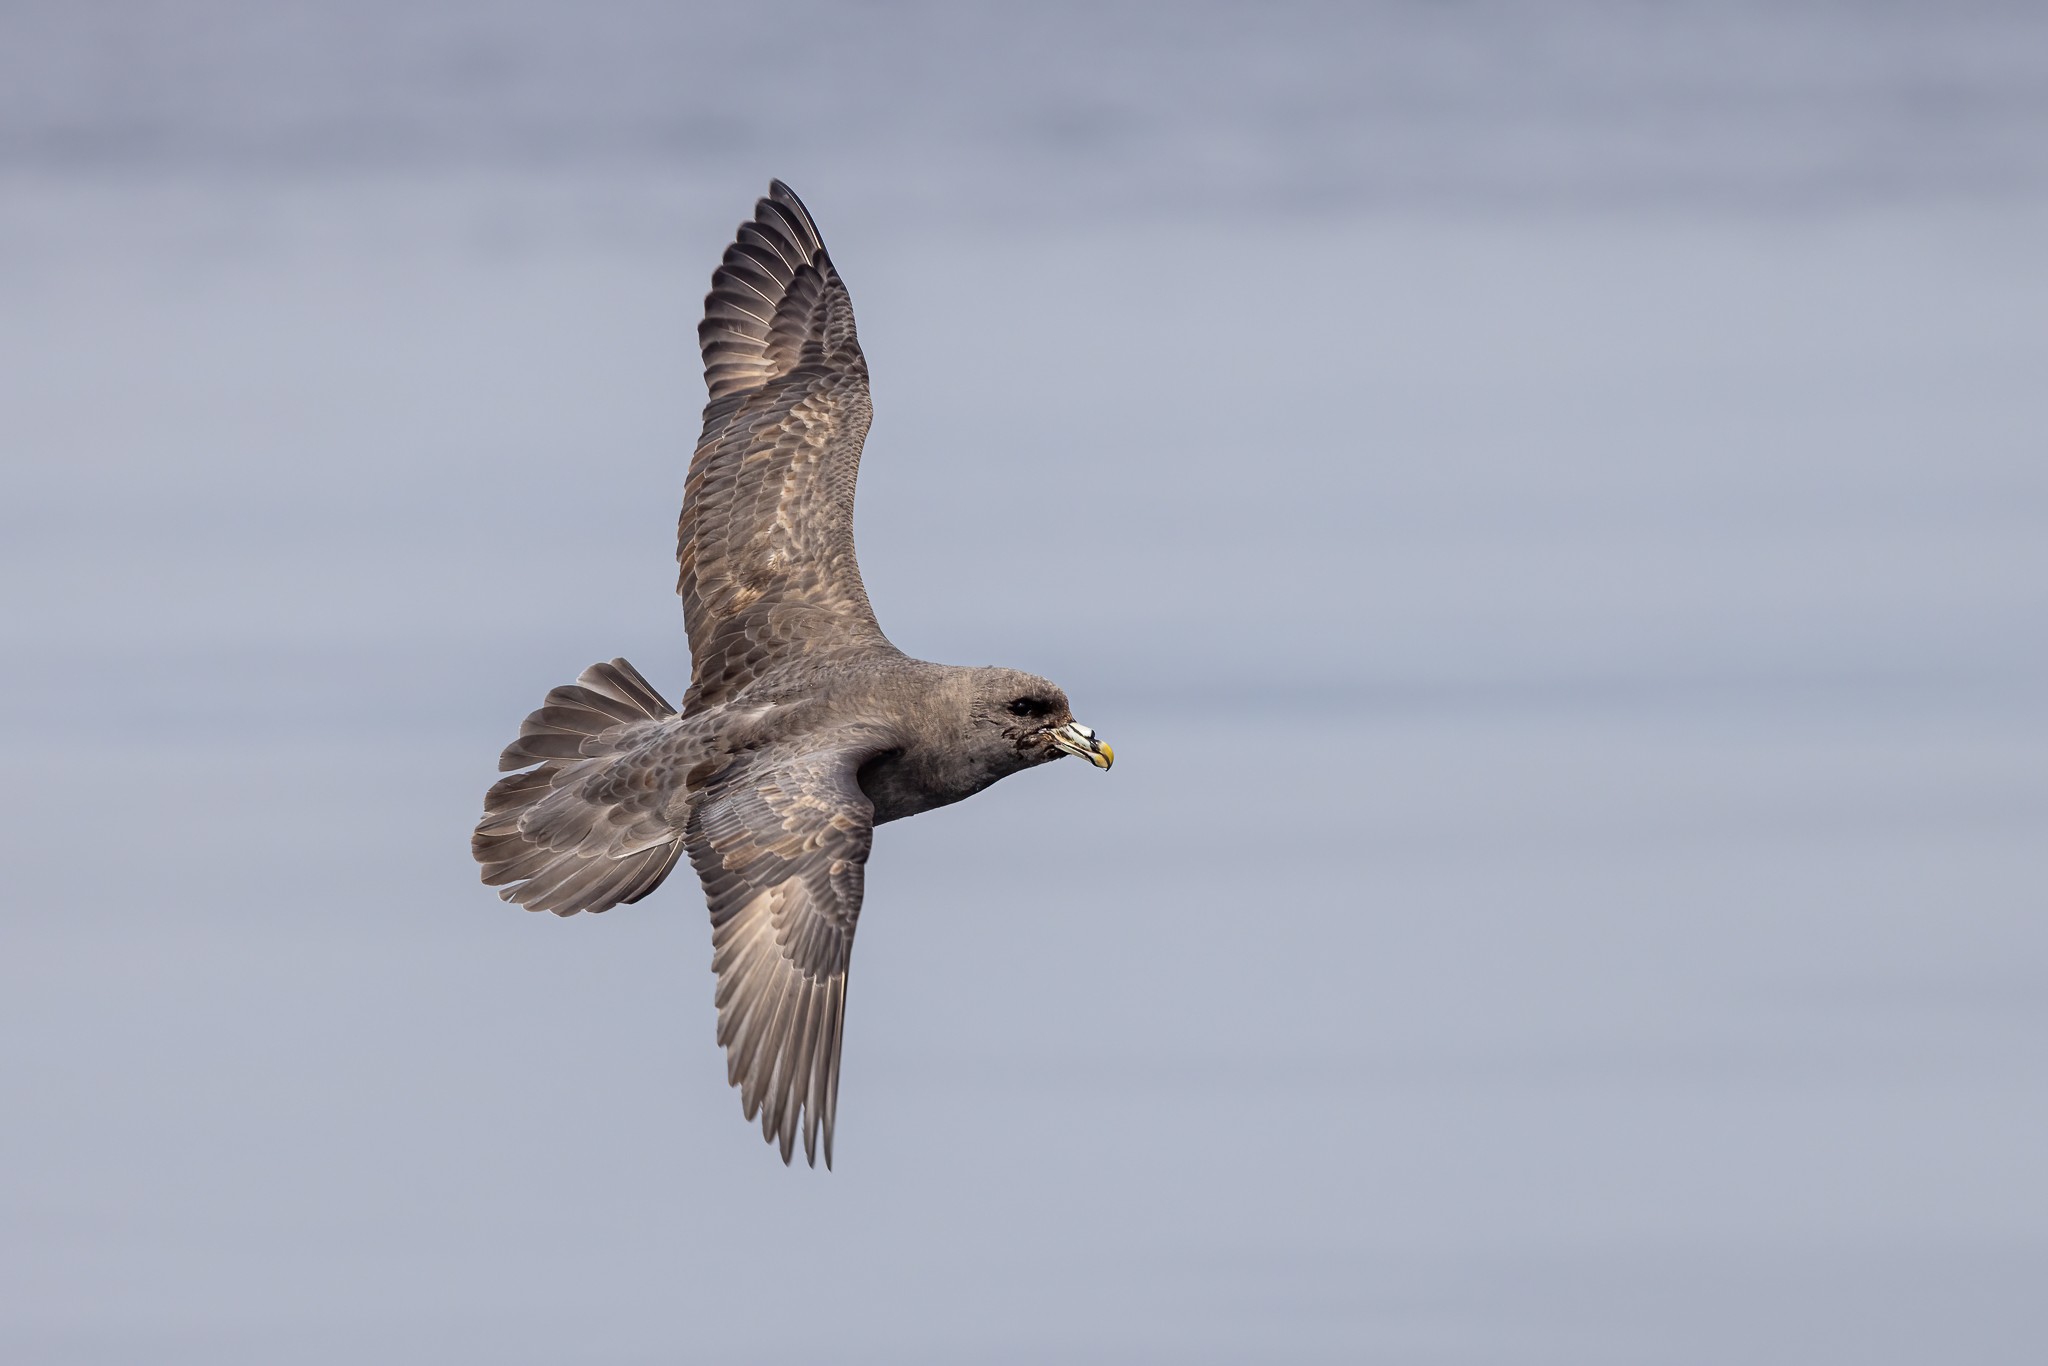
{"x":803,"y":727}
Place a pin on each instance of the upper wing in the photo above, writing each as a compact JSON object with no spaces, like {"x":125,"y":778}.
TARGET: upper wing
{"x":781,"y":840}
{"x":765,"y":543}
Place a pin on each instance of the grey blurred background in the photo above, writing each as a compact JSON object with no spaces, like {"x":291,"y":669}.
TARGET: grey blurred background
{"x":1549,"y":503}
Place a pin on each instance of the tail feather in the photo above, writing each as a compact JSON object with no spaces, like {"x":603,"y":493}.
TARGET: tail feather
{"x":620,"y":682}
{"x":586,"y":830}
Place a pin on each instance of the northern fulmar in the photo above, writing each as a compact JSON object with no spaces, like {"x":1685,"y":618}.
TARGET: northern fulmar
{"x":803,"y":728}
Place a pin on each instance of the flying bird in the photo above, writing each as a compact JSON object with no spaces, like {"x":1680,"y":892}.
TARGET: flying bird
{"x":803,"y":728}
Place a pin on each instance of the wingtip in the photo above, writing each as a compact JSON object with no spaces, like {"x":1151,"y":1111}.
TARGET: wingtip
{"x":779,"y":193}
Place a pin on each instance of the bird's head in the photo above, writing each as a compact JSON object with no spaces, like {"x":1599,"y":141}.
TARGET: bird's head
{"x":1028,"y":719}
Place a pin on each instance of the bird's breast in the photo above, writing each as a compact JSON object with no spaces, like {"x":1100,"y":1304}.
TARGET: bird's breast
{"x":899,"y":785}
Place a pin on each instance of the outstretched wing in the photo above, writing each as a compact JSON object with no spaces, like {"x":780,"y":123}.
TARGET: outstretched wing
{"x":781,"y":840}
{"x":765,"y":542}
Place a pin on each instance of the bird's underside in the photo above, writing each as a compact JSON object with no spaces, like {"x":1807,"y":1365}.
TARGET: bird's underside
{"x":800,"y":715}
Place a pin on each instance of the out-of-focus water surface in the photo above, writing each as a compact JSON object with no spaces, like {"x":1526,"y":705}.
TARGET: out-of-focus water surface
{"x":1549,"y":503}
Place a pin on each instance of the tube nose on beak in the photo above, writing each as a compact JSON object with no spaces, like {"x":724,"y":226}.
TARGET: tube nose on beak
{"x":1077,"y":739}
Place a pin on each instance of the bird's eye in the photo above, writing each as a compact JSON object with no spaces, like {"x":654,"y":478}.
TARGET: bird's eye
{"x":1024,"y":706}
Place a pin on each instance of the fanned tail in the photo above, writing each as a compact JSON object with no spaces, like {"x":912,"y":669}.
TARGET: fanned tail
{"x":587,"y":830}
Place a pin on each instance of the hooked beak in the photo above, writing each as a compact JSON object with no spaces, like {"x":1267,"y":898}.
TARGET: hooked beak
{"x":1075,"y":738}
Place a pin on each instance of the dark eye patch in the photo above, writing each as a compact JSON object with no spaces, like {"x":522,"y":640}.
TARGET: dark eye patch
{"x":1028,"y":706}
